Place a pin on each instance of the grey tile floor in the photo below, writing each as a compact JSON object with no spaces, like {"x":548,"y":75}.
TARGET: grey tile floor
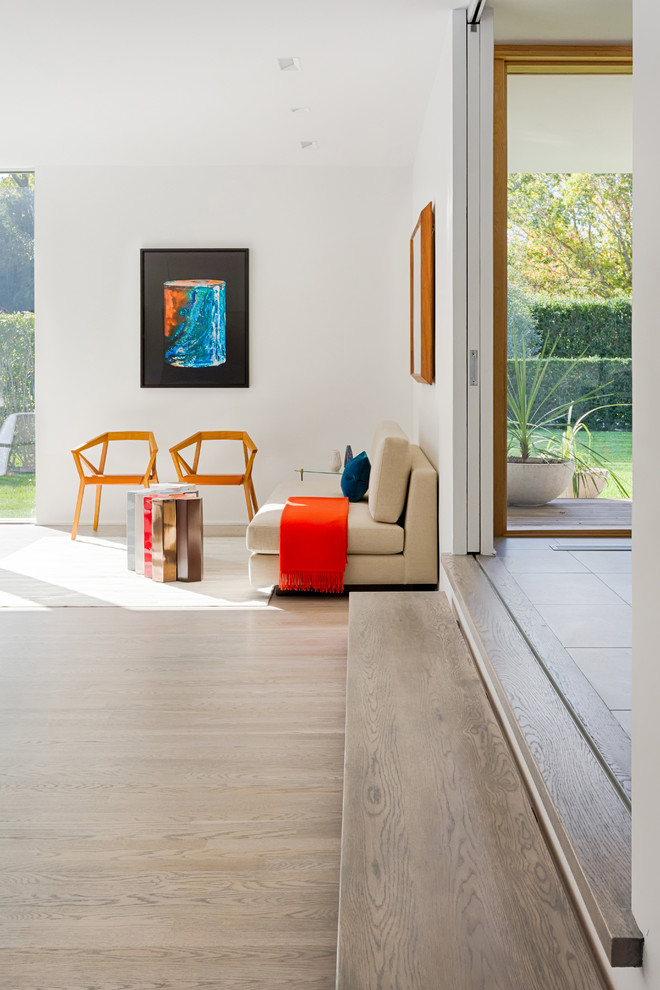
{"x":585,"y":597}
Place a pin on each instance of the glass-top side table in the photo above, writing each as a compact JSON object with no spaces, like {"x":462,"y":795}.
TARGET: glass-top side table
{"x":315,"y":471}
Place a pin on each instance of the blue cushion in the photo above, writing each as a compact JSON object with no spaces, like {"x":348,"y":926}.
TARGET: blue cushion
{"x":355,"y":479}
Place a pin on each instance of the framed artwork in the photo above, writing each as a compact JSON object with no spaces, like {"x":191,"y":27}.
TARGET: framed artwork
{"x":194,"y":318}
{"x":422,"y":298}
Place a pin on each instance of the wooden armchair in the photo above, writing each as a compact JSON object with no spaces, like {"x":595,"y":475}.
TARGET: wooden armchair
{"x":91,"y":474}
{"x":189,"y":474}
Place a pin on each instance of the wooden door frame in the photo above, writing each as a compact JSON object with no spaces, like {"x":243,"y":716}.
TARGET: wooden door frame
{"x":527,"y":60}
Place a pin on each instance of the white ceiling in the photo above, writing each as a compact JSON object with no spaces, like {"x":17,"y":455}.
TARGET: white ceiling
{"x":197,"y":82}
{"x":558,"y":124}
{"x":563,"y":21}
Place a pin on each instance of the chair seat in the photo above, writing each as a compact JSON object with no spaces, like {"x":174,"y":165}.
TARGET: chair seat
{"x":215,"y":479}
{"x":114,"y":479}
{"x":188,"y":473}
{"x":94,"y":474}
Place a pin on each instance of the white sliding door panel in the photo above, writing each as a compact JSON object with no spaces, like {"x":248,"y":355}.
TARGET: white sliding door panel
{"x":459,"y":274}
{"x":478,"y":355}
{"x":473,"y":355}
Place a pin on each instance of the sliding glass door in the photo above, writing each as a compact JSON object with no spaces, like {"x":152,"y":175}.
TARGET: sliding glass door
{"x":17,"y":466}
{"x":563,"y":281}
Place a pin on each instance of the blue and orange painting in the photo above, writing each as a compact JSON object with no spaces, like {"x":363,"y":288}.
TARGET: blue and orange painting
{"x":195,"y":323}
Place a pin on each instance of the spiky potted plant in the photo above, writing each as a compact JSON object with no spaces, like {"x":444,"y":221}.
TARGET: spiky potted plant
{"x":539,"y":467}
{"x":592,"y":469}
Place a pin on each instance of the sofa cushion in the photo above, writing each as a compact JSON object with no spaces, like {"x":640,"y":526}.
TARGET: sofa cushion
{"x":355,"y":479}
{"x":390,"y":470}
{"x":365,"y":535}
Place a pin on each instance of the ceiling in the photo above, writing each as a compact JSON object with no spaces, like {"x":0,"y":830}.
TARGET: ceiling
{"x":153,"y":82}
{"x":557,"y":124}
{"x":166,"y":82}
{"x":563,"y":21}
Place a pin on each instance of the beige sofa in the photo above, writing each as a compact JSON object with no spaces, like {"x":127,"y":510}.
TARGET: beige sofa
{"x":392,"y":531}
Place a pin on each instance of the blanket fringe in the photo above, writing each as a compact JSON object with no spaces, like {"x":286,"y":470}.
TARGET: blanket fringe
{"x":328,"y":582}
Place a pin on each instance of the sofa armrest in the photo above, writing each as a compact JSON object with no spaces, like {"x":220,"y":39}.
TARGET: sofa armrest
{"x":420,"y":522}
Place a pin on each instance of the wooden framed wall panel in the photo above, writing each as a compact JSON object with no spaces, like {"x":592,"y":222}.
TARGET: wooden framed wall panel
{"x":539,"y":60}
{"x":422,"y":296}
{"x":565,"y":59}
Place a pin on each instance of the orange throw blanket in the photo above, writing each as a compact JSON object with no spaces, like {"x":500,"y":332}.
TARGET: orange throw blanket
{"x":313,"y":544}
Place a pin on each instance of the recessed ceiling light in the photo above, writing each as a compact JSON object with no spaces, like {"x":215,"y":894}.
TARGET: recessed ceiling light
{"x":299,"y":109}
{"x":308,"y":144}
{"x":289,"y":64}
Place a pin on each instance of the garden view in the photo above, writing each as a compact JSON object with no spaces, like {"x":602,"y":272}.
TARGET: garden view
{"x":569,"y":320}
{"x":569,"y":310}
{"x":17,"y":345}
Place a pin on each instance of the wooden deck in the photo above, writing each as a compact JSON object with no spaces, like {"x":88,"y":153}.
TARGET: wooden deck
{"x":612,"y":515}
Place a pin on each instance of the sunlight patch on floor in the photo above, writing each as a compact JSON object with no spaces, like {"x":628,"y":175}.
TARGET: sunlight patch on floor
{"x":50,"y":570}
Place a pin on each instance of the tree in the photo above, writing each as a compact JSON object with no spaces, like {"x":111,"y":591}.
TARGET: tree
{"x":571,"y":234}
{"x":16,"y":362}
{"x":17,"y":242}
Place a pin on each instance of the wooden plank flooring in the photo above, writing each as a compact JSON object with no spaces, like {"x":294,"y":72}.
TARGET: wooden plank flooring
{"x":446,"y":880}
{"x":170,"y":805}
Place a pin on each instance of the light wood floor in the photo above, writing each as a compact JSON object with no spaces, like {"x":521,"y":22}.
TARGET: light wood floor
{"x":171,"y":796}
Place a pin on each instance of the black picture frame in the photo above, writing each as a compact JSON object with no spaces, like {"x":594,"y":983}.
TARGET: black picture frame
{"x":160,"y":265}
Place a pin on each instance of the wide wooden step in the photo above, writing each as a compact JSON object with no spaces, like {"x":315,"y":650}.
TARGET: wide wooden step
{"x":584,"y":803}
{"x":446,"y":880}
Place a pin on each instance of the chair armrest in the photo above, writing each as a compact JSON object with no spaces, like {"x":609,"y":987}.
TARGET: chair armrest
{"x":420,"y":522}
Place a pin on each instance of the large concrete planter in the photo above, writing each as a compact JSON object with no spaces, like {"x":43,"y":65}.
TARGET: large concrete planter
{"x":591,"y":484}
{"x":535,"y":481}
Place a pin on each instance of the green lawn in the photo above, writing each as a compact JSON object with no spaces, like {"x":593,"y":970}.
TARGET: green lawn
{"x":17,"y":490}
{"x":17,"y":496}
{"x":616,"y":448}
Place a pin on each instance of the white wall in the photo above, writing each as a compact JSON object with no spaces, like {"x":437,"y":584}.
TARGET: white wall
{"x":328,"y":315}
{"x":646,"y":545}
{"x":432,"y":182}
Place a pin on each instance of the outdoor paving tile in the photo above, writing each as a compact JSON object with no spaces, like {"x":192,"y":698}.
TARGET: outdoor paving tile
{"x":589,"y":625}
{"x":624,"y":718}
{"x":610,"y":672}
{"x":621,"y":583}
{"x":604,"y":561}
{"x":511,"y":544}
{"x":540,"y":561}
{"x":566,"y":589}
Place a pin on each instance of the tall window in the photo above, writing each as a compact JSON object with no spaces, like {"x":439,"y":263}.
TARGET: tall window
{"x":17,"y":467}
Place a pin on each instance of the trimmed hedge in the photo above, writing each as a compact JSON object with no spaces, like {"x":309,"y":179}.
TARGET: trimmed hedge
{"x":588,"y":374}
{"x":16,"y":363}
{"x":584,"y":326}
